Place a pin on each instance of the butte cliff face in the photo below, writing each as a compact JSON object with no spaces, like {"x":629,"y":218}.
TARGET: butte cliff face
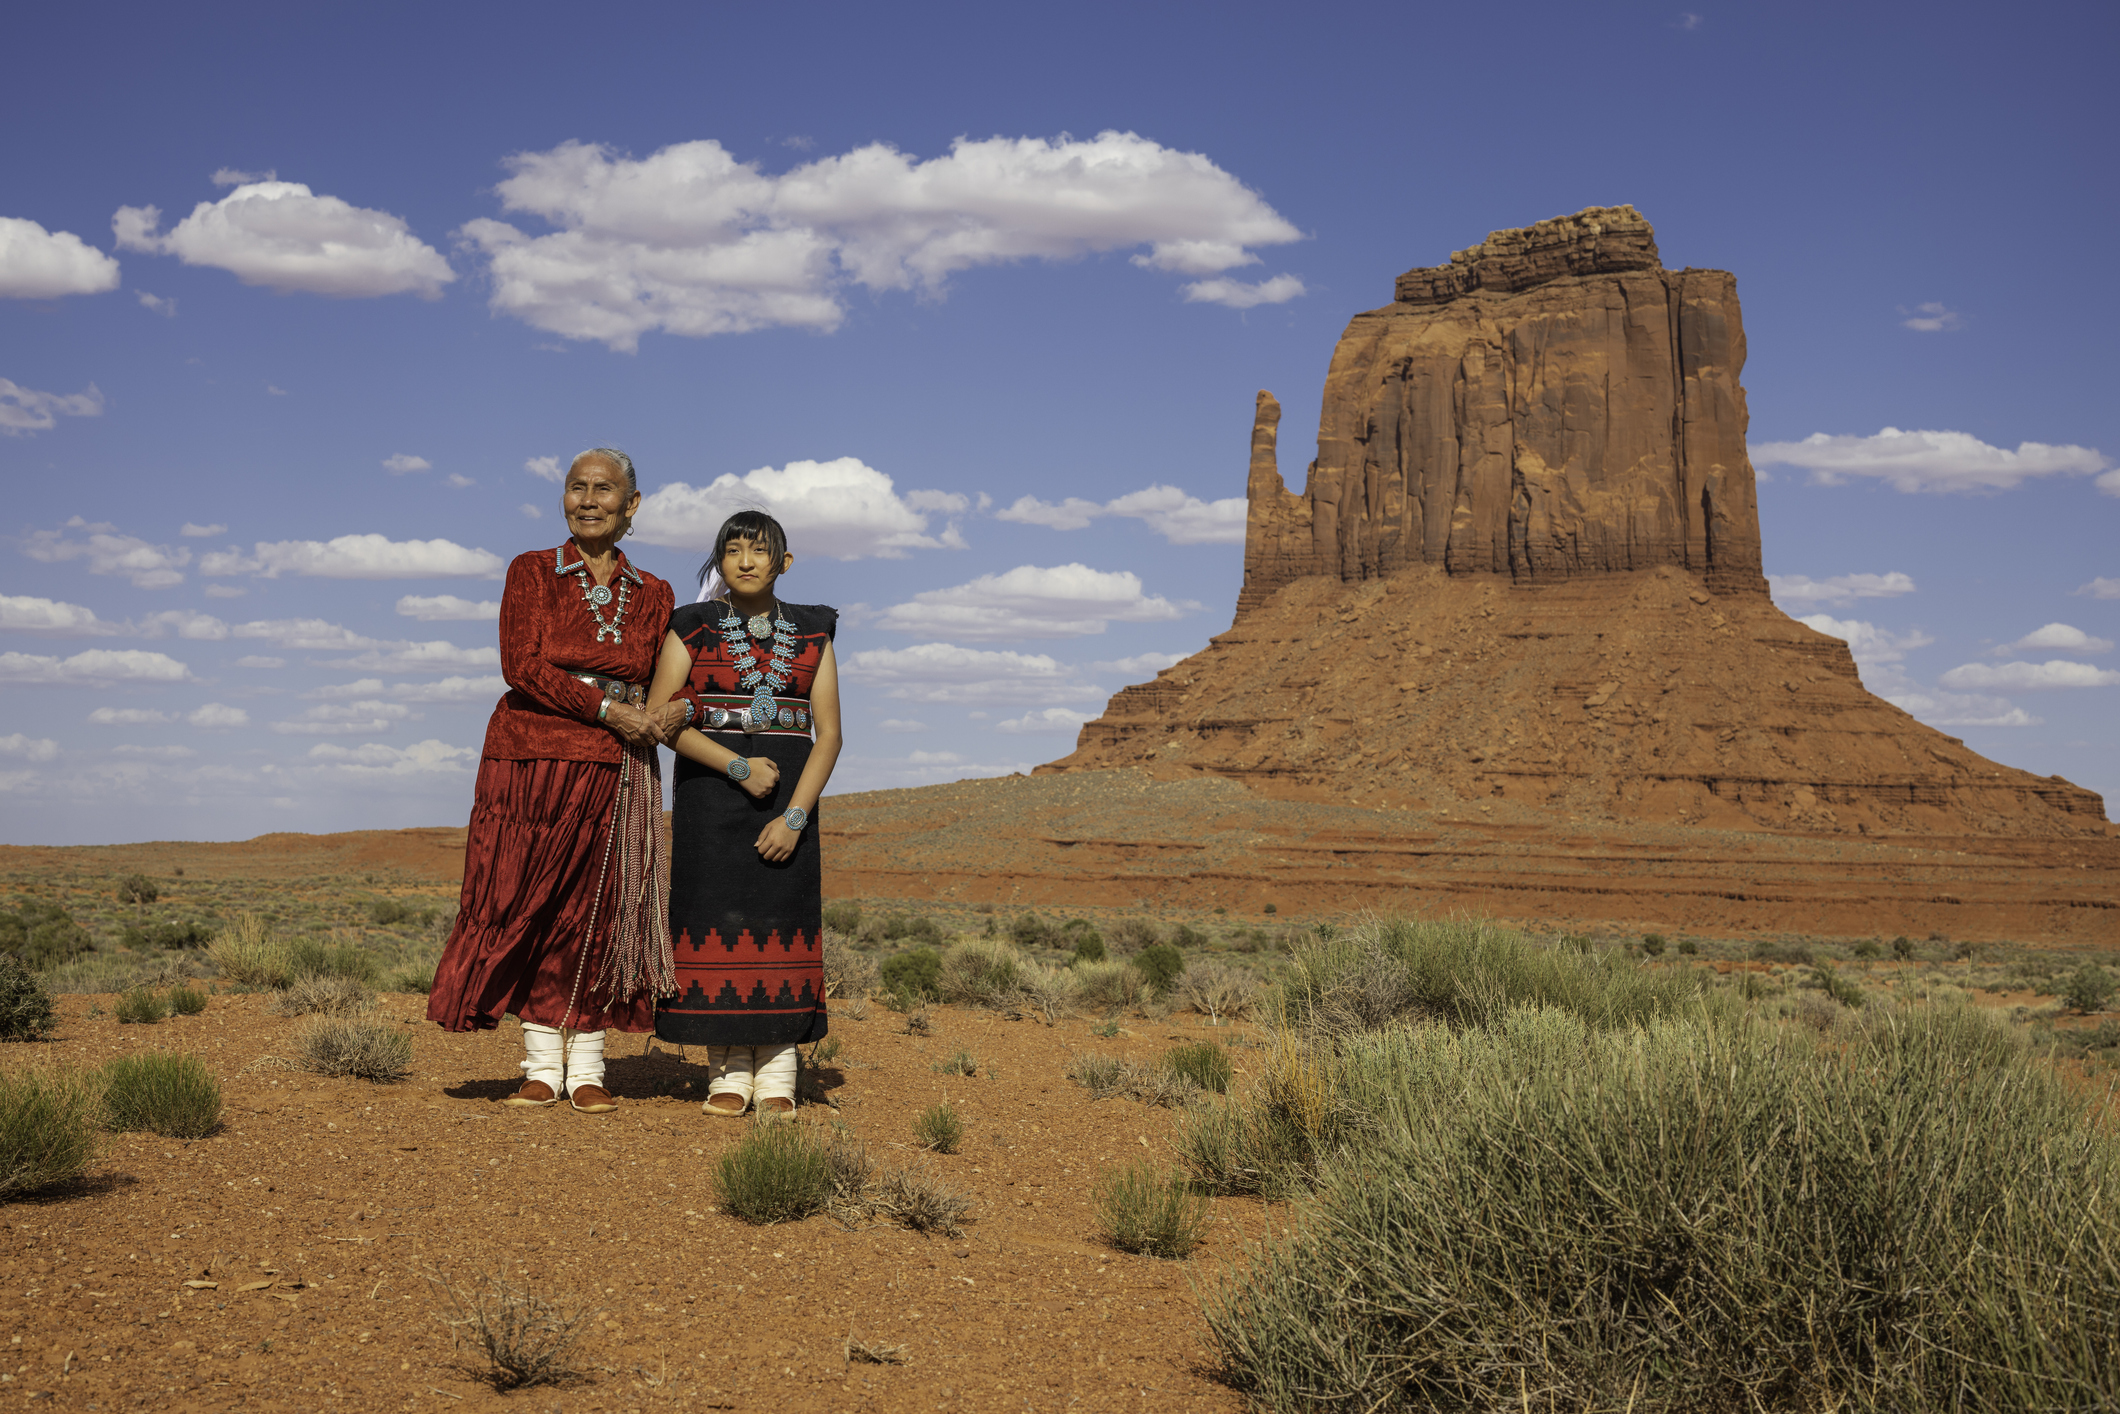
{"x":1551,"y":403}
{"x":1526,"y":568}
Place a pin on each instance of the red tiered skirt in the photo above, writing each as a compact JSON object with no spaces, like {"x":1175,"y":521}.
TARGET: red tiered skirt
{"x":536,"y":844}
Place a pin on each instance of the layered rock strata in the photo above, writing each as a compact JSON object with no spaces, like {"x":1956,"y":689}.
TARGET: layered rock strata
{"x":1552,"y":403}
{"x":1526,"y":569}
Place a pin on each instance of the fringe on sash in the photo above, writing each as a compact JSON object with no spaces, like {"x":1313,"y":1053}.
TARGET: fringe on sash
{"x":638,"y":958}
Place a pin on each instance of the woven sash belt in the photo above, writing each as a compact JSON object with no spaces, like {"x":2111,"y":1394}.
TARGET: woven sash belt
{"x":790,"y":716}
{"x":634,"y":692}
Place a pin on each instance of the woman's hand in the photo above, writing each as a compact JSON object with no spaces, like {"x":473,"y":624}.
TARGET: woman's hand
{"x":670,"y":721}
{"x":633,"y":726}
{"x":776,"y":841}
{"x":765,"y":775}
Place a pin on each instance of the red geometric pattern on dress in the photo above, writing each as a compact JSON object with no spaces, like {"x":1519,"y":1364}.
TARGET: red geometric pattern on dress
{"x":744,"y":939}
{"x":772,"y":938}
{"x":713,"y":936}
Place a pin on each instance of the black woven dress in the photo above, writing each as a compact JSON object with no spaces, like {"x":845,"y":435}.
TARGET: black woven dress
{"x":750,"y":961}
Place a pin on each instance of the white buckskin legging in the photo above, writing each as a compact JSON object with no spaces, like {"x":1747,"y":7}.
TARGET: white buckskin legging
{"x":580,"y":1063}
{"x":752,"y":1073}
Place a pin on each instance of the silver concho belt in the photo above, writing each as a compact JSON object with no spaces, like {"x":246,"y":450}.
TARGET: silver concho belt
{"x":635,"y":693}
{"x":757,"y":715}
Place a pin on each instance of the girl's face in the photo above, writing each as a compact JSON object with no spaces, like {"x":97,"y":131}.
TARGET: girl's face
{"x":748,"y":567}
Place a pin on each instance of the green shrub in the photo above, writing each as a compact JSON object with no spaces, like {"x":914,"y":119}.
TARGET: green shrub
{"x":1031,"y":931}
{"x":915,"y":974}
{"x":365,"y":1050}
{"x":1143,"y":1208}
{"x":139,"y":1006}
{"x":1903,"y":947}
{"x":45,"y":937}
{"x":1688,"y":947}
{"x":1768,"y":950}
{"x":1187,"y":936}
{"x":1271,"y":908}
{"x":1204,"y":1063}
{"x":920,"y":928}
{"x":1107,"y":986}
{"x":307,"y":957}
{"x":1653,"y":944}
{"x":778,"y":1172}
{"x":1159,"y":966}
{"x":137,"y":889}
{"x":939,"y":1127}
{"x":962,"y":1063}
{"x":1130,"y":935}
{"x":25,"y":1007}
{"x":186,"y":1000}
{"x":981,"y":972}
{"x":1841,"y":989}
{"x":417,"y":977}
{"x":171,"y":936}
{"x":2088,"y":988}
{"x":249,"y":955}
{"x":1466,"y":972}
{"x":48,"y":1131}
{"x":843,"y":916}
{"x":1089,"y":946}
{"x":1695,"y":1214}
{"x":1868,"y":949}
{"x":163,"y":1093}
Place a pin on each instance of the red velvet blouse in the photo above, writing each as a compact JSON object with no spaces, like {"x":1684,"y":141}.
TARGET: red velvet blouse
{"x":548,"y":635}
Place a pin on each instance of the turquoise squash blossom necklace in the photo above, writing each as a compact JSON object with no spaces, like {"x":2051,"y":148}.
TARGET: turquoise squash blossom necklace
{"x":766,"y":680}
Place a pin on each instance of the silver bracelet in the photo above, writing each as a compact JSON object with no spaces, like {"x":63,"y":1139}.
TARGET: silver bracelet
{"x":738,"y":769}
{"x":796,"y":818}
{"x":601,"y":707}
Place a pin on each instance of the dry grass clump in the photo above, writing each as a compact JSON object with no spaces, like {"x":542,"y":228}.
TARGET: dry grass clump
{"x":782,"y":1171}
{"x":324,"y":994}
{"x":940,"y":1128}
{"x":1131,"y":934}
{"x":366,"y":1050}
{"x":913,"y":1198}
{"x":1204,"y":1063}
{"x":1108,"y":986}
{"x":1108,"y":1077}
{"x":1217,"y":990}
{"x":873,"y":1352}
{"x":526,"y":1338}
{"x":48,"y":1129}
{"x":991,"y":972}
{"x":249,"y":955}
{"x":848,"y":973}
{"x":186,"y":1000}
{"x":1145,"y":1208}
{"x":161,"y":1093}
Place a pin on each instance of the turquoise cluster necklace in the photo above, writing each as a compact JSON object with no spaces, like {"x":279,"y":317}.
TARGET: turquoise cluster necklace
{"x":766,"y":680}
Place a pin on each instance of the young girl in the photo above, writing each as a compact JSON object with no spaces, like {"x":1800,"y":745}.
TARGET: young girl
{"x":758,"y":679}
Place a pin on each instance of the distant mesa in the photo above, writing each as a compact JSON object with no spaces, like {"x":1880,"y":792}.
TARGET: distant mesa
{"x":1525,"y":567}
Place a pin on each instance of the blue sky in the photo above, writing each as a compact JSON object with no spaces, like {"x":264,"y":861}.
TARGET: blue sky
{"x":295,"y":302}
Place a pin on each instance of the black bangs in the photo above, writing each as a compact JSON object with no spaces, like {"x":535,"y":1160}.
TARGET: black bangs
{"x":747,"y":525}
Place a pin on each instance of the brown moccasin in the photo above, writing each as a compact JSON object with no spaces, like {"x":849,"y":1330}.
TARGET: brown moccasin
{"x":732,"y":1108}
{"x":534,"y":1094}
{"x":592,"y":1099}
{"x":776,"y":1105}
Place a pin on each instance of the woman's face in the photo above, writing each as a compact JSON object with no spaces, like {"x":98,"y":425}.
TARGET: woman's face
{"x":748,"y":568}
{"x":598,"y":504}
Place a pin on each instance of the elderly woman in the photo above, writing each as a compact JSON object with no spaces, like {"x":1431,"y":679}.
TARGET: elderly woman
{"x":562,"y":920}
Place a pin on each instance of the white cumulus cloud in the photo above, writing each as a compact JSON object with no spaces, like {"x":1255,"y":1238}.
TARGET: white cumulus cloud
{"x":2100,"y":588}
{"x":108,"y":552}
{"x":432,"y":608}
{"x":545,"y":468}
{"x":284,"y":237}
{"x":167,"y":308}
{"x":218,"y":716}
{"x":373,"y":760}
{"x":33,"y":615}
{"x":1064,"y":601}
{"x":1932,"y":318}
{"x":900,"y":724}
{"x":842,"y":509}
{"x":1180,"y":518}
{"x":1141,"y":664}
{"x":97,"y":667}
{"x":1801,"y":589}
{"x":435,"y":656}
{"x":1868,"y":643}
{"x":127,"y":717}
{"x":184,"y":623}
{"x":945,"y":672}
{"x":40,"y":264}
{"x":355,"y":557}
{"x":1927,"y":461}
{"x":29,"y":748}
{"x":398,"y":463}
{"x":2056,"y":638}
{"x":1050,"y":719}
{"x":363,"y":718}
{"x":2021,"y":677}
{"x":452,"y":689}
{"x":1242,"y":294}
{"x":200,"y":532}
{"x":693,"y":242}
{"x":27,"y":410}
